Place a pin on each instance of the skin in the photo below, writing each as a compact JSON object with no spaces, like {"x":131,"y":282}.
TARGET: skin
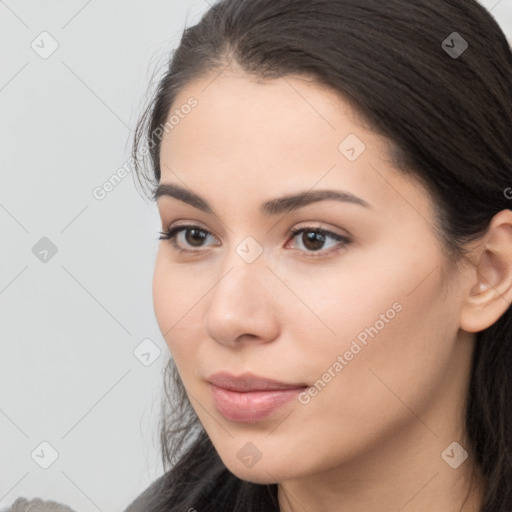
{"x":372,"y":438}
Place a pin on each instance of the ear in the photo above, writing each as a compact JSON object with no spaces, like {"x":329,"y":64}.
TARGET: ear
{"x":490,"y":288}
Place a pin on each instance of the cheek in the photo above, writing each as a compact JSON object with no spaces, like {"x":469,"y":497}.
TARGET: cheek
{"x":174,"y":294}
{"x":163,"y":297}
{"x":361,"y":294}
{"x":177,"y":298}
{"x":170,"y":300}
{"x":394,"y":347}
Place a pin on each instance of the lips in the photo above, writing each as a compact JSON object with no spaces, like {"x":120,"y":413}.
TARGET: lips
{"x":249,"y":382}
{"x":249,"y":398}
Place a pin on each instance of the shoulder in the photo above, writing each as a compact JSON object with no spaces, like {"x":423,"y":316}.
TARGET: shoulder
{"x":37,"y":505}
{"x":170,"y":491}
{"x":142,"y":502}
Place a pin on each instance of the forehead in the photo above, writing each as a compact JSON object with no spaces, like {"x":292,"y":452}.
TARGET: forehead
{"x":278,"y":135}
{"x":277,"y":114}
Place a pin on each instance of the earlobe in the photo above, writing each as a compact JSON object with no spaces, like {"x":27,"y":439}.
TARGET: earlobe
{"x":490,"y":293}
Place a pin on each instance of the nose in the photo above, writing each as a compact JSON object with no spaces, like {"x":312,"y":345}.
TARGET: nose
{"x":243,"y":305}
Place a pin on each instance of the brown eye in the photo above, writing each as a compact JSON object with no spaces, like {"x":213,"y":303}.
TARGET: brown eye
{"x":197,"y":236}
{"x":194,"y":236}
{"x":313,"y":241}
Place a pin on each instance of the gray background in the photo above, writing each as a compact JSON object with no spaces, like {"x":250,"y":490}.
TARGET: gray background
{"x":71,"y":320}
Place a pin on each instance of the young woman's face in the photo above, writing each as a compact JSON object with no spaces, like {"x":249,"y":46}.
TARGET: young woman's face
{"x":353,"y":312}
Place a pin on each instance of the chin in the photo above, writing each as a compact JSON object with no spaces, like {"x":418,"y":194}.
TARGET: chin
{"x":263,"y":471}
{"x":257,"y":476}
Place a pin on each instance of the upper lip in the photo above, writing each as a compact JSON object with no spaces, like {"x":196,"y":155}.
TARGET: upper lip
{"x":248,"y":382}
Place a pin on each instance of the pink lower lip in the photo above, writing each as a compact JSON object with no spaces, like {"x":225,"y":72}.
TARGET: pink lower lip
{"x":250,"y":406}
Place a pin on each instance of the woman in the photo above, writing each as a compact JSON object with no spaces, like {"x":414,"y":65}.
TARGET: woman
{"x":334,"y":278}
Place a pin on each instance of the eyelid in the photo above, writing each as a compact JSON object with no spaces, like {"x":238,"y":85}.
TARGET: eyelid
{"x":317,"y":226}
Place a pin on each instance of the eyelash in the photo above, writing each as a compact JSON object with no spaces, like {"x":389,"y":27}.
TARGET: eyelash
{"x":172,"y":233}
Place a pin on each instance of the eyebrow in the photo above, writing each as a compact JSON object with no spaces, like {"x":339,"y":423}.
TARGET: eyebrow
{"x":276,"y":206}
